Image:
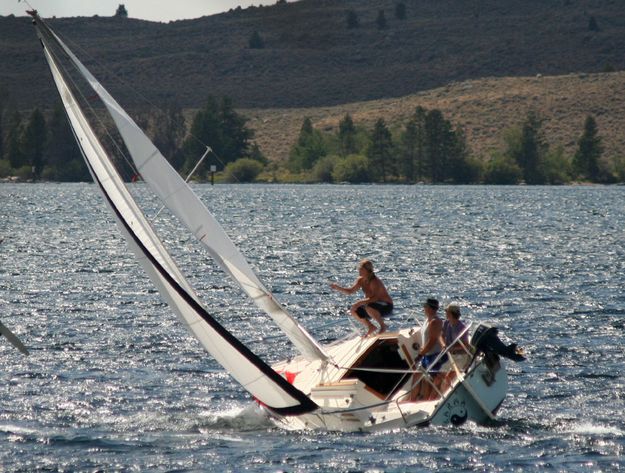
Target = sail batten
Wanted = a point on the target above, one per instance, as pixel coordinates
(250, 371)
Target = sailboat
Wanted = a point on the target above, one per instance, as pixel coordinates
(353, 384)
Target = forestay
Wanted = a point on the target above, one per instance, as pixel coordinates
(184, 203)
(250, 371)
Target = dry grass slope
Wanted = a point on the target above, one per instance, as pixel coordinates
(312, 59)
(484, 107)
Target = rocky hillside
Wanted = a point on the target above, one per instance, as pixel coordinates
(311, 58)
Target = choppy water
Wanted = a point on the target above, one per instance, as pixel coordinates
(115, 383)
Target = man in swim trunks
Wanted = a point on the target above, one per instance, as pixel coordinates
(430, 348)
(377, 302)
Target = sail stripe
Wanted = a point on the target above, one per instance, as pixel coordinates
(306, 405)
(263, 382)
(184, 203)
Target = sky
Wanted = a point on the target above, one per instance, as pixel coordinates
(153, 10)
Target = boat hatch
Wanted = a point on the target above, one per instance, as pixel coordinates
(382, 355)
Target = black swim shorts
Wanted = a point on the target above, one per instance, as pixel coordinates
(384, 308)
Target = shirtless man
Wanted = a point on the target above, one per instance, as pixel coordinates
(377, 302)
(431, 346)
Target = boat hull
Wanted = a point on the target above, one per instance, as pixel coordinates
(347, 404)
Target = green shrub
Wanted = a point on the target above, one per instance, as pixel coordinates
(502, 169)
(556, 167)
(619, 168)
(24, 173)
(323, 169)
(354, 168)
(5, 168)
(242, 170)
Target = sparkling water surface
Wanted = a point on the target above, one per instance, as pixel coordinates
(115, 383)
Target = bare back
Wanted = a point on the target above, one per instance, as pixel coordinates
(375, 290)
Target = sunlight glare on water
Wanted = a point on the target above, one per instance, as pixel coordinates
(112, 372)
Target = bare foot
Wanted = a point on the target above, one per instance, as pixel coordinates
(369, 332)
(382, 329)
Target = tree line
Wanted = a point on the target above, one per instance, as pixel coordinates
(42, 146)
(427, 147)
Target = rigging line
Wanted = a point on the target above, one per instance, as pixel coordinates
(109, 71)
(354, 409)
(208, 149)
(88, 105)
(130, 87)
(142, 97)
(221, 162)
(272, 337)
(135, 91)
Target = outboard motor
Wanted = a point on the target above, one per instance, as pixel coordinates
(485, 340)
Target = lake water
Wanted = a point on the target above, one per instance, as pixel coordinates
(115, 383)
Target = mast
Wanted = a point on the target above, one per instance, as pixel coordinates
(248, 369)
(178, 196)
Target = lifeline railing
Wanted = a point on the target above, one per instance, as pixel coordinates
(425, 375)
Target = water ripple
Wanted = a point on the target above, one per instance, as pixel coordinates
(115, 383)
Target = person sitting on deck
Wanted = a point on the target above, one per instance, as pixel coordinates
(377, 302)
(452, 328)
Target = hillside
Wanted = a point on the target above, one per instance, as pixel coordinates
(312, 59)
(484, 107)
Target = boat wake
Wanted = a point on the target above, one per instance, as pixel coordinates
(247, 418)
(596, 429)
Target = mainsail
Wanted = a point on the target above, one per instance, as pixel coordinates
(184, 203)
(251, 372)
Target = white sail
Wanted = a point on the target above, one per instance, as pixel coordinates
(184, 203)
(250, 371)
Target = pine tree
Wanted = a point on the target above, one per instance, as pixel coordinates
(205, 131)
(400, 11)
(168, 130)
(437, 144)
(4, 102)
(531, 149)
(459, 169)
(380, 151)
(589, 151)
(352, 20)
(236, 136)
(63, 159)
(309, 148)
(219, 126)
(347, 136)
(381, 20)
(121, 12)
(13, 152)
(413, 146)
(34, 141)
(256, 41)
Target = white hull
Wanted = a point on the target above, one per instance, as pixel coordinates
(385, 399)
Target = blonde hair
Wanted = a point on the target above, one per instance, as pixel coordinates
(367, 265)
(453, 309)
